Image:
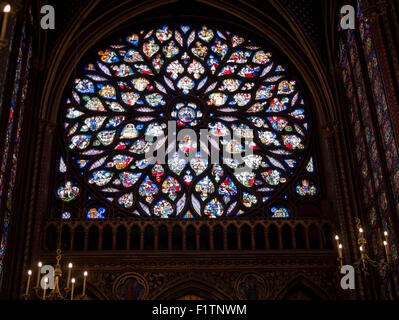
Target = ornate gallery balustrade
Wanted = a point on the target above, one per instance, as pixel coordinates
(175, 235)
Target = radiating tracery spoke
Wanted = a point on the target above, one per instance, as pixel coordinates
(200, 78)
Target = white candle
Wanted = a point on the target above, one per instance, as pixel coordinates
(339, 247)
(28, 284)
(69, 274)
(73, 286)
(39, 269)
(45, 288)
(6, 11)
(386, 250)
(386, 245)
(336, 239)
(340, 254)
(84, 282)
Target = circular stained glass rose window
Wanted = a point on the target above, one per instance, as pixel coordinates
(227, 117)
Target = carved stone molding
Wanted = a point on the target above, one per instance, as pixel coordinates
(383, 7)
(262, 284)
(330, 128)
(138, 261)
(372, 12)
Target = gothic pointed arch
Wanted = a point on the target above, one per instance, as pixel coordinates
(300, 287)
(192, 287)
(121, 72)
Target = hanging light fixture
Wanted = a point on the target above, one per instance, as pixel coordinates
(59, 290)
(365, 260)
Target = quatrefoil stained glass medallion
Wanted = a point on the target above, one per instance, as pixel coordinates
(201, 78)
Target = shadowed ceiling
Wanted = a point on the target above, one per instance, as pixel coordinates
(307, 12)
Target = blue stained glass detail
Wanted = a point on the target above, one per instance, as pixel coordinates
(196, 204)
(279, 212)
(96, 213)
(62, 167)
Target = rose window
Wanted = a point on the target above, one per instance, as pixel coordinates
(247, 124)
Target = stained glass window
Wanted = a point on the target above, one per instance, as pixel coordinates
(279, 212)
(96, 213)
(68, 191)
(306, 188)
(185, 121)
(370, 120)
(13, 130)
(62, 167)
(66, 215)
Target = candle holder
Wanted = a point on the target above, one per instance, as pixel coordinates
(68, 291)
(365, 260)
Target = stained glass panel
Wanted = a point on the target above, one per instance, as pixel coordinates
(119, 118)
(279, 212)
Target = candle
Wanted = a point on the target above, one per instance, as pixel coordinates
(73, 286)
(45, 288)
(386, 250)
(339, 247)
(69, 274)
(361, 230)
(39, 266)
(386, 245)
(28, 284)
(336, 239)
(6, 11)
(84, 282)
(340, 251)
